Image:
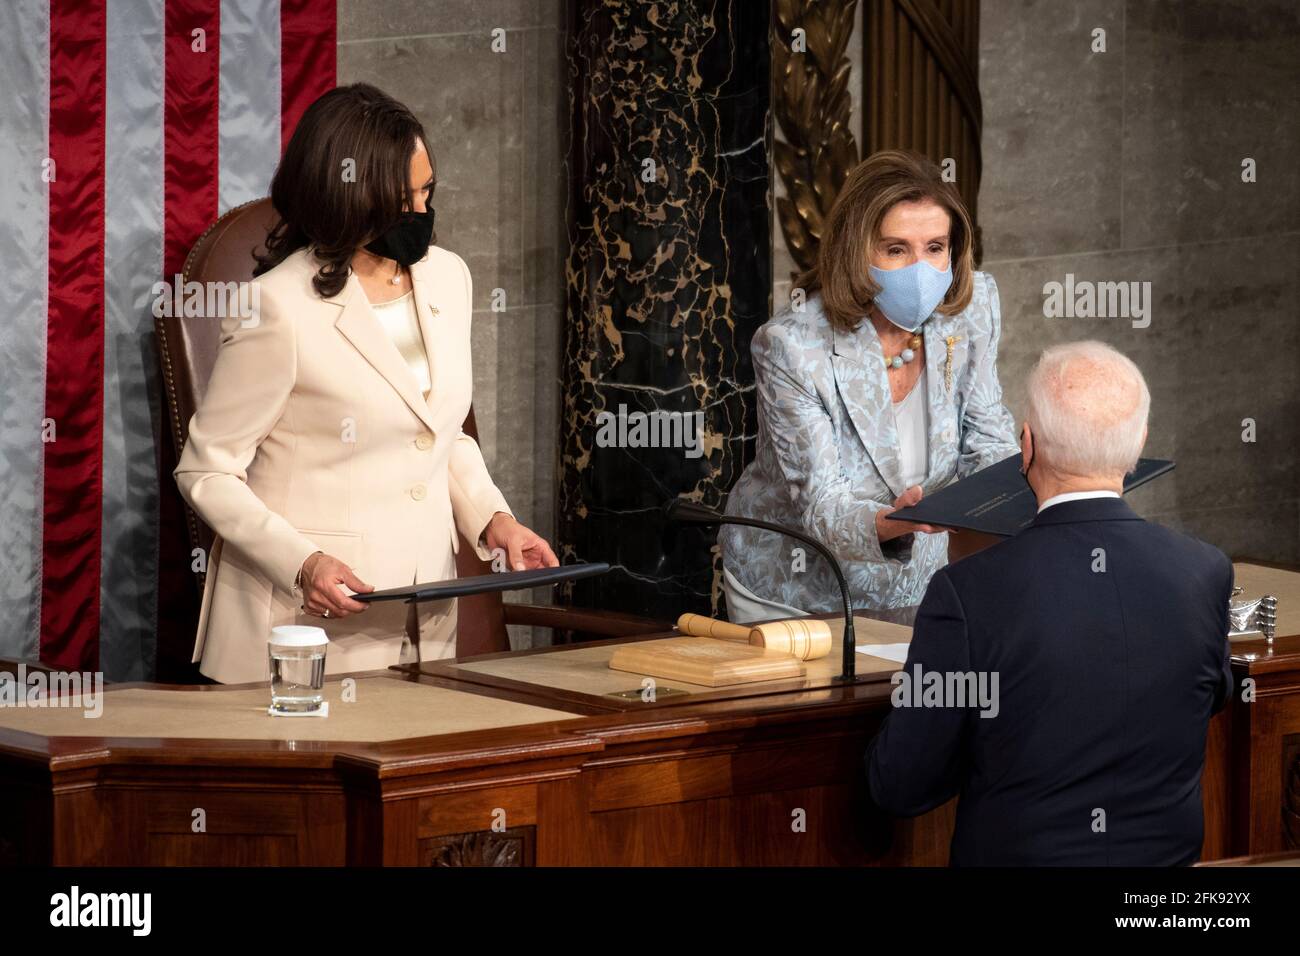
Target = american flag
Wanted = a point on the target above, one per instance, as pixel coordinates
(126, 128)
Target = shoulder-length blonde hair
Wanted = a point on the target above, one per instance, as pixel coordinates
(852, 230)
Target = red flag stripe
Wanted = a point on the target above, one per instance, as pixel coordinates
(74, 387)
(191, 112)
(75, 354)
(308, 53)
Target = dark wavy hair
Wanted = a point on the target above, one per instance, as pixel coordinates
(343, 180)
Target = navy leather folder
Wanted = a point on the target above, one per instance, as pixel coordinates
(998, 500)
(483, 583)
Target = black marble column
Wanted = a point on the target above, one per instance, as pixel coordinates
(668, 277)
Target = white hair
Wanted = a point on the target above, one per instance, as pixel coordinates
(1088, 407)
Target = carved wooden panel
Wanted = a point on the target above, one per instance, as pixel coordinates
(513, 847)
(1291, 792)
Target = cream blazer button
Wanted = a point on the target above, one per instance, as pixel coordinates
(424, 442)
(418, 492)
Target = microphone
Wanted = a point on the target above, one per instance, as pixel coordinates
(679, 509)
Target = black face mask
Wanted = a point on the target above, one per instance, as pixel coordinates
(408, 241)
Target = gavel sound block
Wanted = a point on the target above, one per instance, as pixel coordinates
(717, 653)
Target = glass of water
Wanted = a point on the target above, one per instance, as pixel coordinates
(297, 669)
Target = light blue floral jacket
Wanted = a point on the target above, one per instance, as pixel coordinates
(827, 457)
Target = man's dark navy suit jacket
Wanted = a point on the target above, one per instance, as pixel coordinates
(1109, 637)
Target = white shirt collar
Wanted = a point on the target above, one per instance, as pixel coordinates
(1076, 496)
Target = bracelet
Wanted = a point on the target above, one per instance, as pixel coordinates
(297, 581)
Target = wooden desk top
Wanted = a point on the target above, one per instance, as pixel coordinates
(580, 673)
(478, 711)
(374, 708)
(587, 682)
(503, 726)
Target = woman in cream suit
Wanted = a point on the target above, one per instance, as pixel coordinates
(327, 454)
(878, 387)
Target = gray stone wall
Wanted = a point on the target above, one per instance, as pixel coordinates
(1127, 166)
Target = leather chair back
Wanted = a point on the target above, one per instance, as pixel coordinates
(188, 350)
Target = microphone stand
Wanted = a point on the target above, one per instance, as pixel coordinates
(679, 509)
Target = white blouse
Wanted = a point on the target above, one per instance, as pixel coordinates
(912, 420)
(400, 321)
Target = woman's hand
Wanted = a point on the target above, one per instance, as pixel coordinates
(524, 548)
(321, 576)
(887, 528)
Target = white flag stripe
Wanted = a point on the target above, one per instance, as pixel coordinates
(133, 221)
(248, 143)
(24, 301)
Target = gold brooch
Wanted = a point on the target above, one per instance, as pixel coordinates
(433, 309)
(950, 341)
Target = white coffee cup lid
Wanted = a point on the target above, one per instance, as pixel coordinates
(298, 635)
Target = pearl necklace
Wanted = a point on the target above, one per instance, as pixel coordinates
(905, 356)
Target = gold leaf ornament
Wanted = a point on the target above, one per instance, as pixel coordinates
(813, 108)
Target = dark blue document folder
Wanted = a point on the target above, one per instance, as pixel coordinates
(998, 500)
(483, 583)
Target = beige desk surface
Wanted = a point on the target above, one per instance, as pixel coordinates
(1256, 581)
(393, 709)
(385, 709)
(586, 669)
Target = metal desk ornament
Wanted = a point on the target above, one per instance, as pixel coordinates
(1252, 618)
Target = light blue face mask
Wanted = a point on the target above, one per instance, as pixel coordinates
(908, 296)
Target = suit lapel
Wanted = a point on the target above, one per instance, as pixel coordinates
(427, 312)
(360, 327)
(863, 385)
